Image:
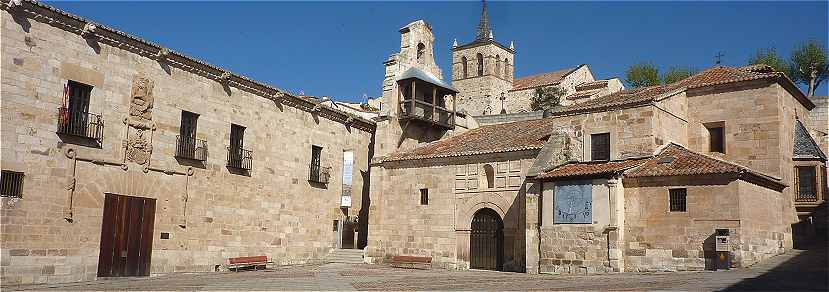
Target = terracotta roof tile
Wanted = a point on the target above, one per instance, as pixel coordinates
(675, 160)
(591, 168)
(597, 84)
(672, 160)
(542, 79)
(514, 136)
(712, 76)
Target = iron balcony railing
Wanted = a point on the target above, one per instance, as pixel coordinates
(428, 112)
(80, 124)
(191, 148)
(239, 158)
(320, 174)
(806, 197)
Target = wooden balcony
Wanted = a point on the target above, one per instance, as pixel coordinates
(427, 112)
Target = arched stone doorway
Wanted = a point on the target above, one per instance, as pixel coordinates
(486, 241)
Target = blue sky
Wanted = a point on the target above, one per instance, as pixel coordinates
(337, 48)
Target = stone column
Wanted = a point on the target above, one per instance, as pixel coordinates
(614, 238)
(532, 237)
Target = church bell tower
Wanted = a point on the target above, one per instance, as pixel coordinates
(482, 70)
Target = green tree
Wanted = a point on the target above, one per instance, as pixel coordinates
(640, 75)
(546, 98)
(809, 65)
(769, 57)
(675, 74)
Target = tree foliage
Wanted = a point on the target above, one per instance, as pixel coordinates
(809, 65)
(641, 75)
(675, 74)
(546, 98)
(769, 57)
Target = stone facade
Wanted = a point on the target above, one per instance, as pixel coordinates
(457, 188)
(205, 212)
(480, 94)
(820, 120)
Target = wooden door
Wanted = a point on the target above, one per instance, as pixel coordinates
(126, 236)
(486, 241)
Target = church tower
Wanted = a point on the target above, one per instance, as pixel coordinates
(482, 71)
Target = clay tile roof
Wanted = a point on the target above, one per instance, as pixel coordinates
(591, 168)
(582, 94)
(515, 136)
(542, 79)
(675, 160)
(712, 76)
(592, 85)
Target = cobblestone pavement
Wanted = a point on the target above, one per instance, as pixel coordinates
(797, 270)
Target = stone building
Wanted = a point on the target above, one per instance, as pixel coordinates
(122, 157)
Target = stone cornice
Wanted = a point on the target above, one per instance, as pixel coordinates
(100, 33)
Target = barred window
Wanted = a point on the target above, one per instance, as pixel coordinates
(600, 146)
(806, 183)
(424, 196)
(11, 184)
(316, 157)
(678, 199)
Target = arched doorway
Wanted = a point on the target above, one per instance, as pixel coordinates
(486, 244)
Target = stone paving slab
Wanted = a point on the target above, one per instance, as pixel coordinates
(794, 271)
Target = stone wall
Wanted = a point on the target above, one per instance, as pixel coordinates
(457, 189)
(820, 121)
(631, 130)
(659, 240)
(210, 212)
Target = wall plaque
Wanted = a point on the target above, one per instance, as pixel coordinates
(573, 202)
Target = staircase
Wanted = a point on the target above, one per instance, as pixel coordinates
(346, 256)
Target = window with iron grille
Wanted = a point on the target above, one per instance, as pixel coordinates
(316, 153)
(600, 146)
(716, 137)
(806, 183)
(678, 199)
(187, 145)
(424, 196)
(74, 117)
(11, 184)
(237, 156)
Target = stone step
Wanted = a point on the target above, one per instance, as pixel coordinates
(348, 256)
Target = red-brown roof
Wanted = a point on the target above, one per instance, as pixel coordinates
(591, 168)
(672, 160)
(515, 136)
(712, 76)
(543, 79)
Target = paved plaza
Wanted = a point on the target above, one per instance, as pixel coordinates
(794, 271)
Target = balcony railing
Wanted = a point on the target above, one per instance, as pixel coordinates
(80, 124)
(806, 198)
(320, 174)
(239, 158)
(191, 148)
(425, 111)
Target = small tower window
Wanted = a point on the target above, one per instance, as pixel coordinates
(498, 65)
(421, 50)
(506, 69)
(480, 64)
(424, 196)
(464, 61)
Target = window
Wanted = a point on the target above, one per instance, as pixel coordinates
(506, 69)
(421, 50)
(316, 153)
(238, 156)
(716, 137)
(489, 172)
(73, 115)
(480, 64)
(678, 199)
(187, 145)
(464, 62)
(11, 184)
(497, 65)
(806, 183)
(600, 146)
(424, 196)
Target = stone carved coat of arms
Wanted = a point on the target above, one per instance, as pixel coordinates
(139, 143)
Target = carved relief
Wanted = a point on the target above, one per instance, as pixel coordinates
(138, 144)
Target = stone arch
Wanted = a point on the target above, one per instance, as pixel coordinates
(490, 200)
(497, 65)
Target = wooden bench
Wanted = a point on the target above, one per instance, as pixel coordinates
(411, 261)
(254, 261)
